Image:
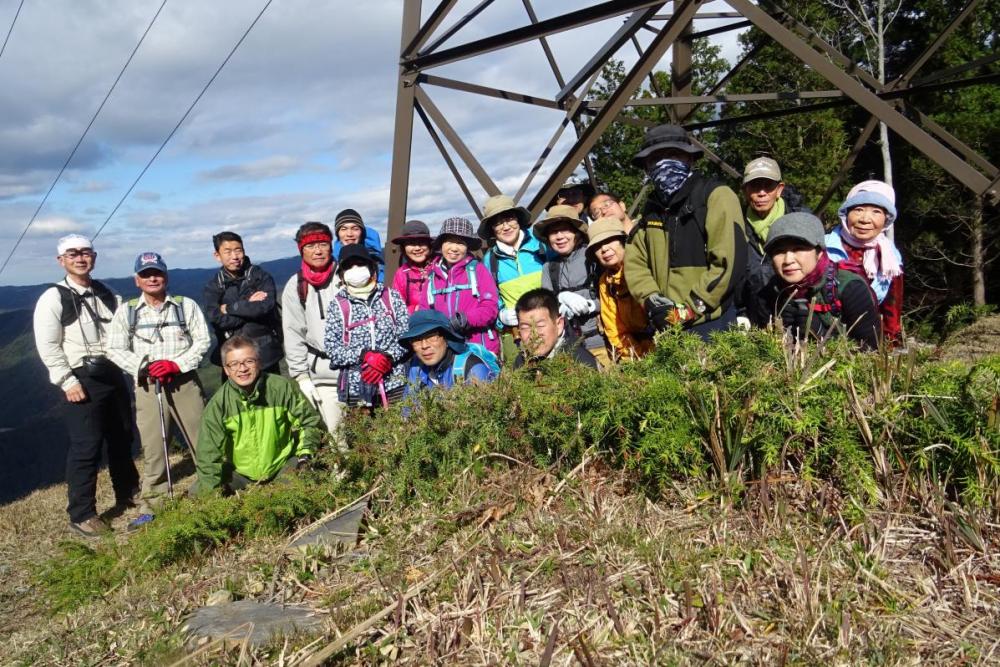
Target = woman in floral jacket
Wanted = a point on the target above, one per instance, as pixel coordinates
(363, 326)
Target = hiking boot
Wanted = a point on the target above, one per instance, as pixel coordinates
(140, 521)
(93, 527)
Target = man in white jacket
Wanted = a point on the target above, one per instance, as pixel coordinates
(160, 339)
(70, 322)
(304, 303)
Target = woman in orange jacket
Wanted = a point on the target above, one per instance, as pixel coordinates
(624, 319)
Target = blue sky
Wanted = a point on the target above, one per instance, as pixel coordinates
(297, 127)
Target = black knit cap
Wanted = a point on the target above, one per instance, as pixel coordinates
(356, 253)
(348, 217)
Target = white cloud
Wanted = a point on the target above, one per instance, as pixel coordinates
(312, 88)
(55, 226)
(256, 170)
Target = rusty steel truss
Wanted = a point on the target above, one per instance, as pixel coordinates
(422, 50)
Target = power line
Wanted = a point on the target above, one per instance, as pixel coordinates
(82, 136)
(181, 121)
(7, 38)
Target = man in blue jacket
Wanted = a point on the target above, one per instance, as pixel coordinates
(441, 357)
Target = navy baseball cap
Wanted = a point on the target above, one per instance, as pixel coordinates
(150, 260)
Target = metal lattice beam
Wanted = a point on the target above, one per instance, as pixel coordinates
(421, 49)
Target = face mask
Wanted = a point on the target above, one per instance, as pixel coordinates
(668, 176)
(357, 276)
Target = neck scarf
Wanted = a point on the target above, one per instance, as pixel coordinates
(762, 225)
(317, 279)
(880, 254)
(668, 176)
(361, 292)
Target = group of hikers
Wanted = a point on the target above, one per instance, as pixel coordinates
(587, 281)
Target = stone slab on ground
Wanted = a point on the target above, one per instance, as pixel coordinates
(261, 621)
(340, 530)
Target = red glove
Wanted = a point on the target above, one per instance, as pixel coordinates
(164, 370)
(375, 366)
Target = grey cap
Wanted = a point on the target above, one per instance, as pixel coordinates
(762, 167)
(799, 225)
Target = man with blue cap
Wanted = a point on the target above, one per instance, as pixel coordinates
(159, 339)
(441, 356)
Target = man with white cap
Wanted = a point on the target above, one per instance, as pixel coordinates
(70, 323)
(160, 339)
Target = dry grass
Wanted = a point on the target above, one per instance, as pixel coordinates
(523, 567)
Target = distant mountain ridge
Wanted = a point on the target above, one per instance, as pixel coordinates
(33, 437)
(185, 282)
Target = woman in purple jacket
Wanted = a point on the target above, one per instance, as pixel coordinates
(462, 287)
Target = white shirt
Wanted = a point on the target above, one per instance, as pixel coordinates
(63, 348)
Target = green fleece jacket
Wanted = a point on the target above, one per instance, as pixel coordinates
(670, 254)
(254, 432)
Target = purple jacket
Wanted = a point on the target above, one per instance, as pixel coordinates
(411, 282)
(451, 292)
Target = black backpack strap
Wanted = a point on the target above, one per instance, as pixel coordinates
(494, 263)
(554, 276)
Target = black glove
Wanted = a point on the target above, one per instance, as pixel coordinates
(460, 323)
(659, 309)
(304, 462)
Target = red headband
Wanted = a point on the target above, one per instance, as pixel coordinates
(314, 237)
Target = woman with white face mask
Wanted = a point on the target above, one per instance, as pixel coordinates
(363, 326)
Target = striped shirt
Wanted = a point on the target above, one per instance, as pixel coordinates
(158, 334)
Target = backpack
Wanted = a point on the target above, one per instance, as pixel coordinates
(72, 301)
(476, 351)
(473, 284)
(345, 311)
(460, 362)
(132, 318)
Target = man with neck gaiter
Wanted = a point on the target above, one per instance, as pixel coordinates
(241, 299)
(686, 260)
(304, 302)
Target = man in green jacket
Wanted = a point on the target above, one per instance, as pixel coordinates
(686, 260)
(256, 426)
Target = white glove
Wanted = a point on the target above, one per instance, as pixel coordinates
(508, 317)
(309, 390)
(743, 323)
(574, 305)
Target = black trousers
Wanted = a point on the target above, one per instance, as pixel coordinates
(104, 417)
(724, 322)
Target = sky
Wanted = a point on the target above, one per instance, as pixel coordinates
(298, 126)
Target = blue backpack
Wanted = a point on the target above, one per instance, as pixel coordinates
(478, 351)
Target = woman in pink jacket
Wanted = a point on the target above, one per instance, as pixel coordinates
(462, 287)
(416, 244)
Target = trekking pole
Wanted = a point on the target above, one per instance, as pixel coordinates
(381, 392)
(163, 436)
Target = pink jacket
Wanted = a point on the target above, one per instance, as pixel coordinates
(411, 282)
(453, 293)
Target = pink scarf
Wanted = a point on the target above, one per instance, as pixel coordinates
(316, 278)
(878, 248)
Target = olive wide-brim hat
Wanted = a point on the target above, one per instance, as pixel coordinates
(559, 213)
(664, 136)
(604, 229)
(492, 209)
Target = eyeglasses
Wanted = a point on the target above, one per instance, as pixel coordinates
(506, 223)
(246, 363)
(73, 253)
(601, 208)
